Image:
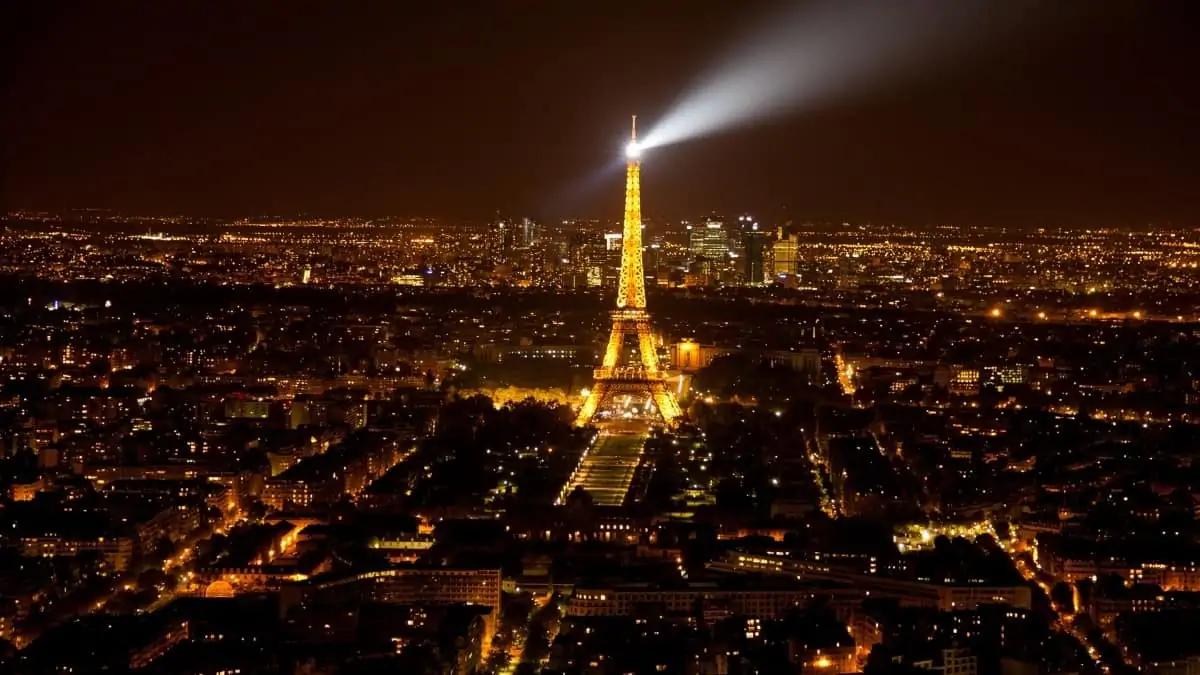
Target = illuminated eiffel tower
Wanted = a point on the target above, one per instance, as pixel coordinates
(643, 379)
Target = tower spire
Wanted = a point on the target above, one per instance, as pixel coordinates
(633, 129)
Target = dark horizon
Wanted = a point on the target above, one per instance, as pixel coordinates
(228, 109)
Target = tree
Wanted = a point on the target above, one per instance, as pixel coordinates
(163, 548)
(1063, 597)
(731, 495)
(154, 579)
(256, 510)
(212, 515)
(579, 498)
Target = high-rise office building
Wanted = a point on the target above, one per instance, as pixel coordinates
(611, 265)
(756, 245)
(528, 233)
(786, 249)
(502, 239)
(709, 242)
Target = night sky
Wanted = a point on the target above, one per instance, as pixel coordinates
(460, 108)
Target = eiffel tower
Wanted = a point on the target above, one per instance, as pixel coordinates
(643, 379)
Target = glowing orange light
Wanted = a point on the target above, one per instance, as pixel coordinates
(631, 317)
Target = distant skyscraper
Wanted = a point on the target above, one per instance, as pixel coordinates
(529, 233)
(709, 242)
(786, 248)
(585, 259)
(505, 236)
(755, 245)
(611, 262)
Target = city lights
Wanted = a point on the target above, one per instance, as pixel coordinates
(336, 343)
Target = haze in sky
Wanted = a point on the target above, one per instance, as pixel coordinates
(457, 110)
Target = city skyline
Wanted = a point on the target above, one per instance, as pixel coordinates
(906, 402)
(236, 111)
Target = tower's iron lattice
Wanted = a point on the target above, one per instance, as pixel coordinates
(644, 379)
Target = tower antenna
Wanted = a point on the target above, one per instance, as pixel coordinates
(633, 130)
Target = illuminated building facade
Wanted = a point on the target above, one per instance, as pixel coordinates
(689, 356)
(417, 586)
(765, 602)
(756, 248)
(26, 491)
(117, 551)
(785, 249)
(630, 317)
(709, 243)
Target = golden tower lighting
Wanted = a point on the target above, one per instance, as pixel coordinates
(630, 317)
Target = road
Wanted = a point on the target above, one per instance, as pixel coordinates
(828, 505)
(1064, 616)
(516, 650)
(184, 560)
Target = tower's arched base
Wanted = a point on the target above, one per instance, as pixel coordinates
(605, 390)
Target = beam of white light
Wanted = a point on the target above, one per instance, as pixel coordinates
(824, 49)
